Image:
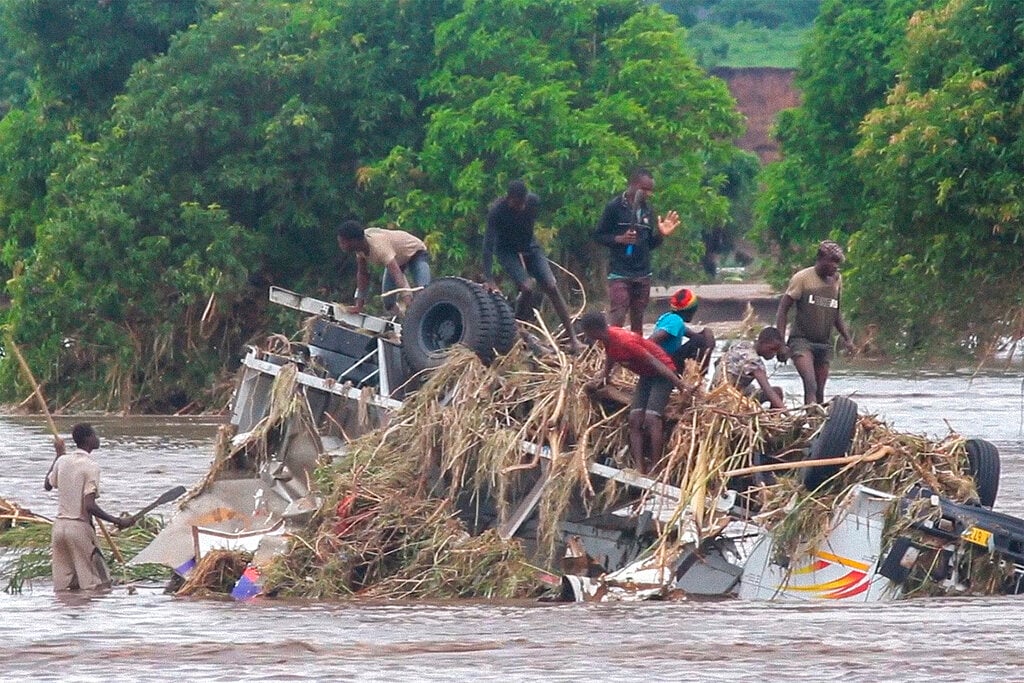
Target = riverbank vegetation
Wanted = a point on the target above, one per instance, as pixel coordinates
(908, 148)
(146, 208)
(162, 163)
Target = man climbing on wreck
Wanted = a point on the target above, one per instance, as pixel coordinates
(402, 255)
(77, 562)
(741, 365)
(509, 237)
(656, 379)
(816, 292)
(673, 327)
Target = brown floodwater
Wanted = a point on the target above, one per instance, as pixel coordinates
(153, 637)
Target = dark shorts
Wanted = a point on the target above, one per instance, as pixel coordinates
(626, 295)
(799, 346)
(697, 348)
(533, 262)
(651, 395)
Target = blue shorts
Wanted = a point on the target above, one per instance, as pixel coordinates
(417, 272)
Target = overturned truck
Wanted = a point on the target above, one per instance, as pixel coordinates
(446, 457)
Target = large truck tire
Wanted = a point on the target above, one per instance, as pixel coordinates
(983, 460)
(833, 441)
(449, 311)
(507, 330)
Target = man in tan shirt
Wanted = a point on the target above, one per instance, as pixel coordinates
(402, 255)
(816, 292)
(77, 562)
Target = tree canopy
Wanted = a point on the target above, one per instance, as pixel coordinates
(145, 209)
(568, 96)
(850, 63)
(941, 248)
(908, 147)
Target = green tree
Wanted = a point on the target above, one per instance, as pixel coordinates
(940, 255)
(229, 157)
(72, 57)
(568, 95)
(816, 190)
(15, 68)
(83, 50)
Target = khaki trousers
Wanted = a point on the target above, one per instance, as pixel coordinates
(77, 562)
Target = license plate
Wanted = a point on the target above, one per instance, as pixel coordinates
(979, 537)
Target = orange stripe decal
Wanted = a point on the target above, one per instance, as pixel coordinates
(845, 582)
(845, 561)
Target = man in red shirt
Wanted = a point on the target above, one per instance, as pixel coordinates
(653, 365)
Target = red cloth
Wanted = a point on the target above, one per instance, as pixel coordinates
(627, 349)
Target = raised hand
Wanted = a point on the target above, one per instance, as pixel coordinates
(669, 223)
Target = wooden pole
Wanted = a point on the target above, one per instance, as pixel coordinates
(27, 371)
(870, 456)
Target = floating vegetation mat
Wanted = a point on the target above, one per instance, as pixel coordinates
(25, 549)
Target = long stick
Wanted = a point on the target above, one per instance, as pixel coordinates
(879, 452)
(110, 541)
(27, 371)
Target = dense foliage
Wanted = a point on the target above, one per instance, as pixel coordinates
(598, 89)
(80, 53)
(908, 147)
(176, 157)
(815, 191)
(941, 248)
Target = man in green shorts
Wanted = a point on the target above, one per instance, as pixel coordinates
(816, 292)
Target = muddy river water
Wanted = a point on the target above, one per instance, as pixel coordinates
(152, 637)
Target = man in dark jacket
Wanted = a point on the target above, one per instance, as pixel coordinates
(629, 230)
(509, 237)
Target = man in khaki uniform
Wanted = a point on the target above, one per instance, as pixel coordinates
(77, 562)
(816, 292)
(402, 255)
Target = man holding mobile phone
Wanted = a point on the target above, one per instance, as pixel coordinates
(629, 229)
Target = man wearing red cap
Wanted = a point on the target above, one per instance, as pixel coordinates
(816, 292)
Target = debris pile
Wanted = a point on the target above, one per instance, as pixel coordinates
(404, 512)
(427, 506)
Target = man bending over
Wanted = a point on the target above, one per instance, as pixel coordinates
(653, 365)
